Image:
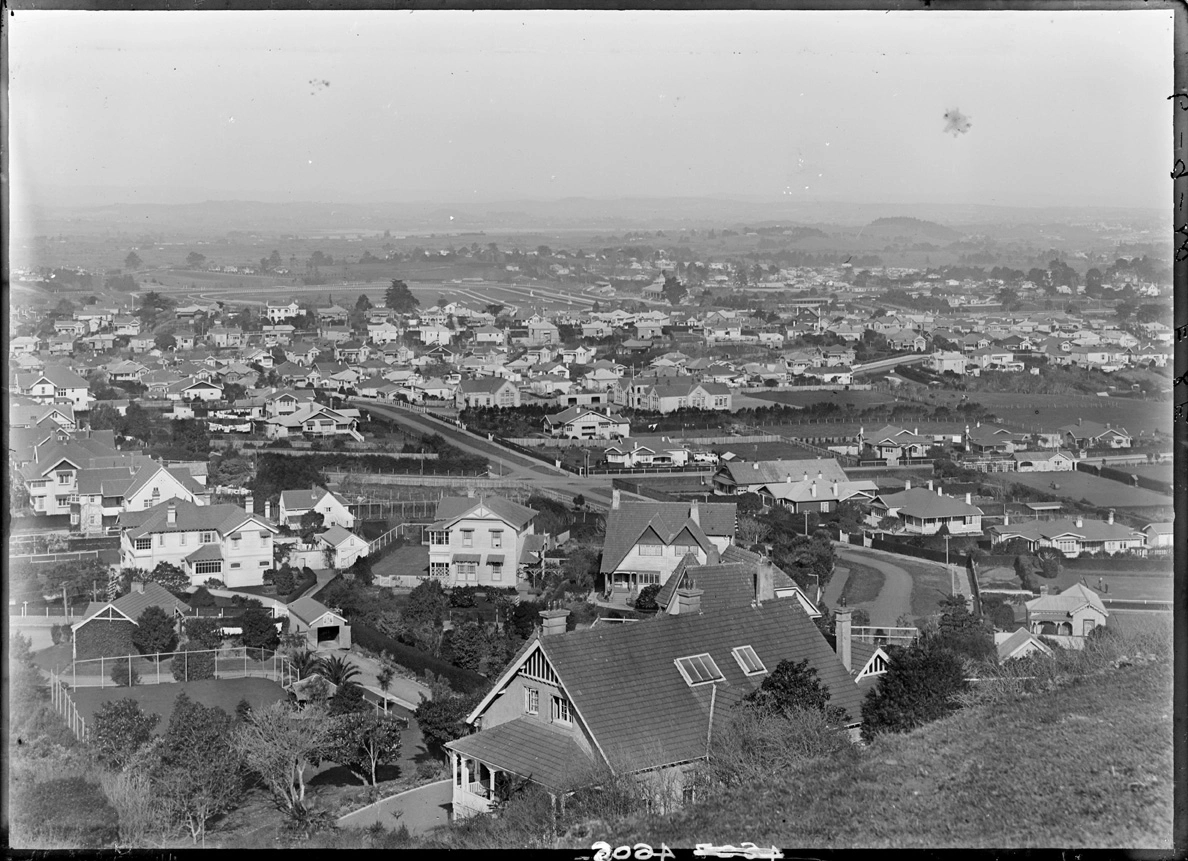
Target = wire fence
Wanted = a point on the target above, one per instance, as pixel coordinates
(64, 705)
(236, 662)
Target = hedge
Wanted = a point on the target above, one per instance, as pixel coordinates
(304, 580)
(912, 550)
(1160, 564)
(463, 681)
(193, 666)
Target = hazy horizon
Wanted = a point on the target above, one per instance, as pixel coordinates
(1026, 110)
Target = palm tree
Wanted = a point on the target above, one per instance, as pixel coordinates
(305, 663)
(384, 677)
(338, 670)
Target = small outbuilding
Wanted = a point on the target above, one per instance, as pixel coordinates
(323, 628)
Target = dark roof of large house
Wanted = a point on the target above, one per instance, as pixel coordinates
(453, 508)
(730, 583)
(626, 689)
(760, 472)
(548, 755)
(629, 522)
(221, 518)
(921, 502)
(1091, 430)
(489, 385)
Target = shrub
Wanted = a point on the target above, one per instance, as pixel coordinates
(122, 673)
(66, 812)
(119, 729)
(193, 666)
(646, 601)
(920, 685)
(284, 580)
(136, 805)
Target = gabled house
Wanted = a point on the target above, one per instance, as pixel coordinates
(223, 542)
(489, 392)
(55, 383)
(991, 439)
(1073, 536)
(106, 628)
(921, 511)
(1020, 644)
(479, 541)
(645, 540)
(322, 627)
(893, 444)
(583, 423)
(314, 421)
(801, 495)
(565, 709)
(1085, 434)
(750, 477)
(342, 546)
(334, 508)
(1043, 461)
(739, 578)
(1073, 613)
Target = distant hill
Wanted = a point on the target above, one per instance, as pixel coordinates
(912, 229)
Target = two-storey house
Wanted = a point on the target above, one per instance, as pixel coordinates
(487, 392)
(223, 542)
(334, 508)
(479, 541)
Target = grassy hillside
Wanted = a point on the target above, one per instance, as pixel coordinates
(1088, 764)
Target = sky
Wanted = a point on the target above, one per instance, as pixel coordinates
(1001, 108)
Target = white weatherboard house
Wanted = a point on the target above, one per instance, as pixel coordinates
(223, 542)
(478, 541)
(332, 506)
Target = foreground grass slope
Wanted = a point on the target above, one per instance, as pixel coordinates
(1088, 764)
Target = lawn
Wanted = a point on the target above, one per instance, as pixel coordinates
(860, 399)
(930, 583)
(863, 584)
(1001, 776)
(1048, 412)
(159, 699)
(1075, 486)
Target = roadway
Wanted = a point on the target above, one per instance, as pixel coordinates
(509, 464)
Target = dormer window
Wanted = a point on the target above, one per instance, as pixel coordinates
(699, 669)
(748, 660)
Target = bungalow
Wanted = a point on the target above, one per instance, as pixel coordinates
(1085, 434)
(489, 392)
(808, 494)
(490, 335)
(314, 421)
(582, 423)
(893, 444)
(671, 394)
(750, 477)
(991, 439)
(1073, 536)
(542, 331)
(1019, 645)
(1160, 536)
(921, 511)
(1073, 613)
(630, 454)
(564, 711)
(1043, 461)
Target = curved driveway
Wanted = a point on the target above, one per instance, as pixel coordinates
(894, 599)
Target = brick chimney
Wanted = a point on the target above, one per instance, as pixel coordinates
(688, 598)
(695, 512)
(938, 491)
(616, 497)
(764, 581)
(553, 621)
(842, 632)
(171, 514)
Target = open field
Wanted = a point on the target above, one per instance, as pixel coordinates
(1075, 486)
(159, 699)
(1033, 412)
(860, 400)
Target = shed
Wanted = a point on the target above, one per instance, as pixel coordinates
(323, 628)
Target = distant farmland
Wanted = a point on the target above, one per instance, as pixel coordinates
(1048, 412)
(1075, 486)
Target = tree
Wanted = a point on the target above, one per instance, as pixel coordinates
(193, 665)
(123, 673)
(171, 577)
(789, 687)
(305, 663)
(259, 629)
(200, 775)
(154, 632)
(119, 729)
(311, 523)
(133, 261)
(195, 259)
(400, 299)
(164, 342)
(750, 531)
(348, 699)
(962, 632)
(279, 745)
(444, 719)
(426, 603)
(673, 289)
(919, 686)
(338, 670)
(363, 742)
(384, 677)
(363, 303)
(1124, 310)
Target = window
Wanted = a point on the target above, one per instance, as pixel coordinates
(182, 539)
(206, 538)
(560, 710)
(64, 477)
(439, 539)
(824, 506)
(156, 493)
(143, 543)
(531, 701)
(683, 549)
(210, 567)
(263, 563)
(263, 539)
(161, 543)
(496, 570)
(748, 660)
(439, 569)
(496, 537)
(234, 542)
(467, 570)
(235, 564)
(467, 537)
(699, 669)
(651, 549)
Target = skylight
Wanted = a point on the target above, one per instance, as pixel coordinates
(699, 669)
(748, 660)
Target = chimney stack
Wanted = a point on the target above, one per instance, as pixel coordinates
(764, 581)
(805, 475)
(938, 491)
(688, 598)
(969, 499)
(695, 512)
(171, 514)
(553, 621)
(1006, 520)
(1110, 519)
(138, 586)
(842, 635)
(930, 484)
(1080, 521)
(267, 509)
(907, 484)
(249, 504)
(813, 488)
(616, 498)
(835, 490)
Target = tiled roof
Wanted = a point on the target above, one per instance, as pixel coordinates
(1011, 644)
(135, 603)
(626, 689)
(730, 583)
(533, 749)
(486, 385)
(761, 472)
(307, 609)
(335, 535)
(921, 502)
(1089, 530)
(626, 524)
(221, 518)
(1065, 604)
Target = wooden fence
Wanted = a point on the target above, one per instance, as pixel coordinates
(64, 705)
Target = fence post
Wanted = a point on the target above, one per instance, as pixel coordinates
(129, 670)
